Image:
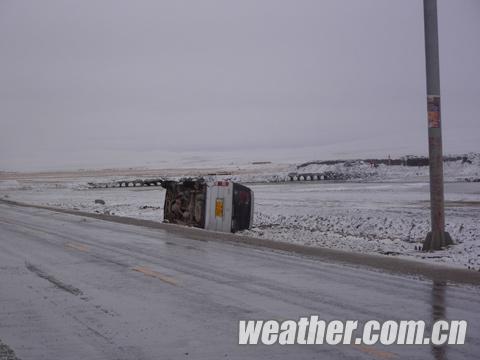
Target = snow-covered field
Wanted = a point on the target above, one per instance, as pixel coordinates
(386, 218)
(384, 210)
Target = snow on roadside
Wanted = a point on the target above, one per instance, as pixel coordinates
(145, 203)
(373, 232)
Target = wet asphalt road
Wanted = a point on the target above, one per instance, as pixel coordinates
(78, 288)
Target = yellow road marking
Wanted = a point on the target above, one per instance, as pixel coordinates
(79, 247)
(149, 272)
(375, 352)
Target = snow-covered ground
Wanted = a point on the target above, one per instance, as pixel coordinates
(382, 210)
(145, 203)
(386, 218)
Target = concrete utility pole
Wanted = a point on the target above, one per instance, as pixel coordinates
(437, 238)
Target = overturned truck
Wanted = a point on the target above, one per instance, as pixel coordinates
(219, 206)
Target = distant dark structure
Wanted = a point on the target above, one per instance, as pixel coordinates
(409, 160)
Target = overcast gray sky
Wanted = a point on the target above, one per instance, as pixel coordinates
(118, 83)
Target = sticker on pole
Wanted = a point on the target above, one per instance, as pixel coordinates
(433, 107)
(219, 208)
